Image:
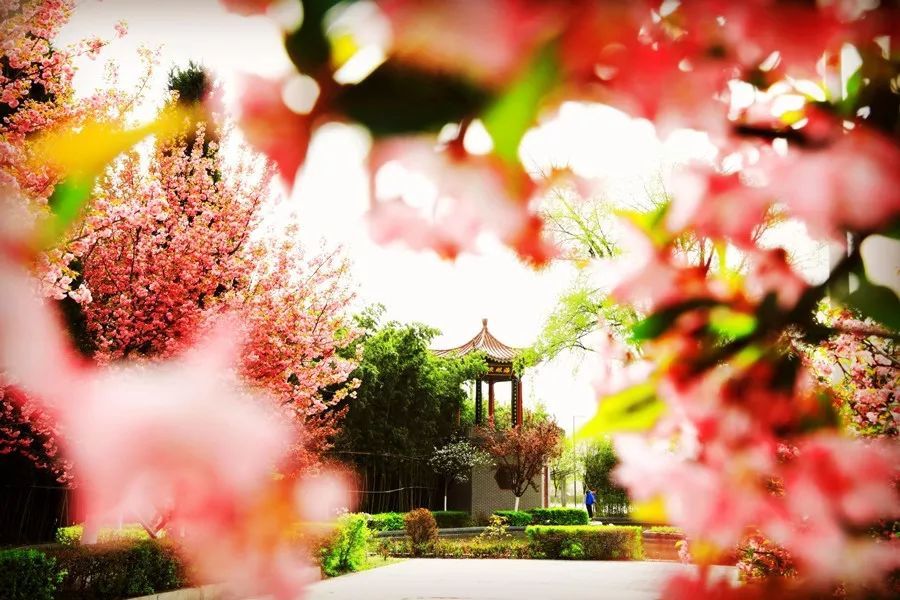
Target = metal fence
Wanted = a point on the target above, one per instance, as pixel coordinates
(30, 514)
(391, 482)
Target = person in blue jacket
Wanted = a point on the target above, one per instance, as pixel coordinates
(589, 501)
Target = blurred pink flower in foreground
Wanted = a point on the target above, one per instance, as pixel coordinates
(181, 443)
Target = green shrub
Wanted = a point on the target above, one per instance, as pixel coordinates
(345, 550)
(28, 575)
(559, 516)
(389, 521)
(71, 536)
(590, 542)
(515, 518)
(452, 518)
(118, 569)
(421, 529)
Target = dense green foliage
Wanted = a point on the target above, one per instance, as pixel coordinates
(599, 461)
(345, 549)
(452, 518)
(559, 516)
(118, 570)
(389, 521)
(422, 530)
(408, 398)
(590, 542)
(515, 518)
(28, 575)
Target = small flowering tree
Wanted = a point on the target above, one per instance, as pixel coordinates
(455, 460)
(521, 453)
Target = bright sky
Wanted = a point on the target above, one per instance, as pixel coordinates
(332, 192)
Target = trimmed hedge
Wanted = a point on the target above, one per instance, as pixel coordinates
(452, 518)
(117, 569)
(389, 521)
(28, 575)
(515, 518)
(71, 536)
(588, 542)
(345, 549)
(559, 516)
(459, 548)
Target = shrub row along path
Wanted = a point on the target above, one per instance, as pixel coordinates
(424, 578)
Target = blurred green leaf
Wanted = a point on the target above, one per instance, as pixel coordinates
(68, 198)
(634, 409)
(659, 322)
(514, 112)
(847, 105)
(398, 99)
(730, 324)
(308, 47)
(876, 302)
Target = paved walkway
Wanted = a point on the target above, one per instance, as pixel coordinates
(446, 579)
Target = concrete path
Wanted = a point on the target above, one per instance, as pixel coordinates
(447, 579)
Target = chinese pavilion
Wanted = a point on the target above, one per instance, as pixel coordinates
(499, 358)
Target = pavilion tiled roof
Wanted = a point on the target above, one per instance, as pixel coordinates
(487, 343)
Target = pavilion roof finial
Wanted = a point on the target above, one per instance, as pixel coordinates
(484, 341)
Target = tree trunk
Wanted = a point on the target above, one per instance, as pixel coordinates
(517, 503)
(446, 485)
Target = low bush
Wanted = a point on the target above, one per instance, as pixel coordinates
(559, 516)
(117, 569)
(603, 542)
(421, 529)
(453, 518)
(28, 575)
(71, 536)
(515, 518)
(345, 550)
(389, 521)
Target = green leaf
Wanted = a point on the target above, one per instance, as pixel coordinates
(634, 409)
(730, 324)
(513, 113)
(68, 198)
(876, 302)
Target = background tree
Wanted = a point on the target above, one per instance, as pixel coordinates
(599, 462)
(563, 467)
(522, 452)
(408, 398)
(406, 404)
(455, 460)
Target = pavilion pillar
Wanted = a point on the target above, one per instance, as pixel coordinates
(479, 409)
(519, 411)
(491, 402)
(514, 402)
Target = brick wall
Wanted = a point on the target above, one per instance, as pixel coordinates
(488, 497)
